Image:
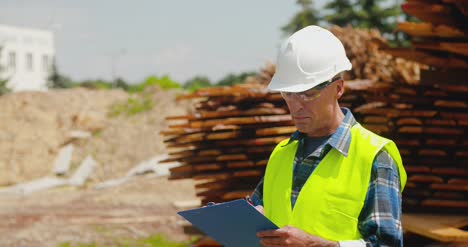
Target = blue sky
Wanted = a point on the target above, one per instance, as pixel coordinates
(153, 37)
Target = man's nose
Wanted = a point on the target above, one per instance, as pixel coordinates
(294, 105)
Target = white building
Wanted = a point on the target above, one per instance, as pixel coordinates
(26, 57)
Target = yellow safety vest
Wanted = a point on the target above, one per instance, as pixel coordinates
(332, 198)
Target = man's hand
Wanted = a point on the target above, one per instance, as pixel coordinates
(291, 236)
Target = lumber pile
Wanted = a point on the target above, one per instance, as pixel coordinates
(369, 62)
(440, 39)
(226, 142)
(431, 125)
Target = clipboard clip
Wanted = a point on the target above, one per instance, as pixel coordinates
(247, 198)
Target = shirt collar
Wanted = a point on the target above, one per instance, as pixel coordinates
(341, 139)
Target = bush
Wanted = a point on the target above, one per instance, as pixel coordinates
(162, 82)
(132, 106)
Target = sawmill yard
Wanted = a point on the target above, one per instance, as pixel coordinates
(224, 135)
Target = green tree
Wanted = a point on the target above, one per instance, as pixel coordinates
(96, 84)
(196, 83)
(121, 83)
(3, 81)
(232, 79)
(164, 82)
(308, 15)
(371, 14)
(57, 80)
(343, 13)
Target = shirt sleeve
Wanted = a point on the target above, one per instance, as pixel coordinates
(380, 218)
(257, 195)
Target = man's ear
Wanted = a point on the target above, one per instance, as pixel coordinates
(339, 88)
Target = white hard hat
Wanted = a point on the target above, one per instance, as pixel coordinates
(309, 57)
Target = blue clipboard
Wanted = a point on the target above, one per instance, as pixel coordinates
(232, 224)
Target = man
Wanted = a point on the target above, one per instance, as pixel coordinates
(333, 183)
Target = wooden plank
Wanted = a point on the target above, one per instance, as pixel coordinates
(430, 30)
(427, 58)
(441, 122)
(452, 187)
(432, 152)
(461, 154)
(445, 203)
(456, 172)
(452, 47)
(443, 131)
(417, 169)
(275, 131)
(410, 130)
(238, 194)
(454, 115)
(448, 195)
(232, 157)
(452, 76)
(457, 89)
(433, 13)
(411, 142)
(425, 179)
(377, 128)
(451, 104)
(458, 181)
(441, 142)
(240, 164)
(409, 121)
(442, 228)
(375, 120)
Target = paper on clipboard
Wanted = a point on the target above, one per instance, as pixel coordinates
(232, 224)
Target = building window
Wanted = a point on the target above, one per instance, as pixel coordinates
(12, 60)
(45, 63)
(29, 61)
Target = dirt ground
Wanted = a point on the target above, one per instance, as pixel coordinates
(34, 126)
(137, 209)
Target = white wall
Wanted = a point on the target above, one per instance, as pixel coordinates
(32, 52)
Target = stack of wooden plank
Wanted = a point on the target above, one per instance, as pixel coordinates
(429, 121)
(226, 142)
(440, 39)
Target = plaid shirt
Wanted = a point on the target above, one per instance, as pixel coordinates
(380, 218)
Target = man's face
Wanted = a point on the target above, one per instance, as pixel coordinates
(313, 110)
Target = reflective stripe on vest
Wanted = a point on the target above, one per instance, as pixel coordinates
(332, 198)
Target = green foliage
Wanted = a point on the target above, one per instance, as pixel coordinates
(96, 84)
(308, 15)
(57, 80)
(152, 241)
(232, 79)
(196, 83)
(3, 88)
(161, 241)
(163, 82)
(343, 13)
(371, 14)
(121, 83)
(357, 13)
(132, 106)
(3, 81)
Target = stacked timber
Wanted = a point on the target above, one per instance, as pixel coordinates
(225, 143)
(430, 122)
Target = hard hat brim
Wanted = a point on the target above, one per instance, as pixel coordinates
(280, 85)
